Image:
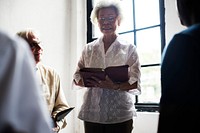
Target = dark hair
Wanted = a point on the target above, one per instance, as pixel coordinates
(189, 11)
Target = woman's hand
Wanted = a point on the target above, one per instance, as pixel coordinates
(80, 83)
(107, 83)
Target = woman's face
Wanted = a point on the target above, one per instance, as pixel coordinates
(107, 20)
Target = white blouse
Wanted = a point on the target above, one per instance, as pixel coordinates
(102, 105)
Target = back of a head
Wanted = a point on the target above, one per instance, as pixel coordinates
(189, 11)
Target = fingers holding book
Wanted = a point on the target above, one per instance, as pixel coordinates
(93, 82)
(96, 77)
(96, 82)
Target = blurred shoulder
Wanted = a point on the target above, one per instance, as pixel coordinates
(46, 69)
(193, 30)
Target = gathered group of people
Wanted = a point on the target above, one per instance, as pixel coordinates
(31, 93)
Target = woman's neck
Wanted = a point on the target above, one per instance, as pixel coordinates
(108, 40)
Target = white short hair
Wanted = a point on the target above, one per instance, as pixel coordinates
(115, 4)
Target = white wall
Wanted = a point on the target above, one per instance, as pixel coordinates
(172, 21)
(62, 26)
(146, 122)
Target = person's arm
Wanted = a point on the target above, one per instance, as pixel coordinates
(60, 104)
(77, 79)
(179, 61)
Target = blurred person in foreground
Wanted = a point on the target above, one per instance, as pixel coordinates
(22, 109)
(49, 79)
(109, 107)
(180, 74)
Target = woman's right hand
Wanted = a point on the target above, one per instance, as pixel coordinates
(80, 83)
(107, 83)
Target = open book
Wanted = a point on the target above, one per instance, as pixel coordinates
(63, 113)
(117, 74)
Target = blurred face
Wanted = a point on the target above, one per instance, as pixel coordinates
(36, 48)
(107, 20)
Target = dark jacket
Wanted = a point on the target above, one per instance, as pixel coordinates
(180, 81)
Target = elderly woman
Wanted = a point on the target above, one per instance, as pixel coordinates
(109, 106)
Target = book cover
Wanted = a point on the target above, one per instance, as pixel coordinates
(117, 74)
(63, 113)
